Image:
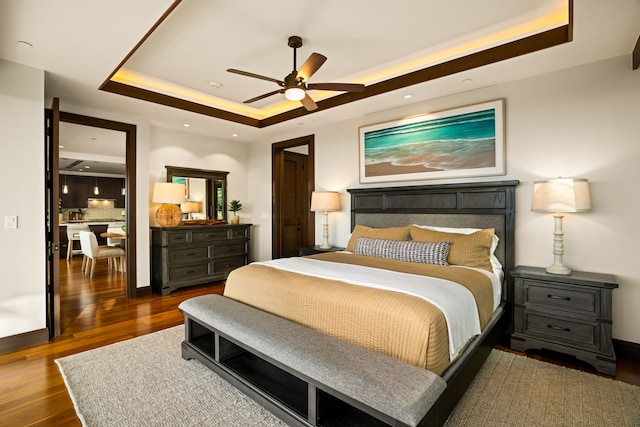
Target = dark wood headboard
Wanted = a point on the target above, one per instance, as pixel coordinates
(477, 205)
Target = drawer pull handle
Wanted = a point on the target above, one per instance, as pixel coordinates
(558, 328)
(190, 253)
(559, 297)
(191, 271)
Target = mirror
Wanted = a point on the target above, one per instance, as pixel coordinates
(208, 188)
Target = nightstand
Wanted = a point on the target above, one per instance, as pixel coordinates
(312, 250)
(565, 313)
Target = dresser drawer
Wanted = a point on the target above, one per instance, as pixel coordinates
(190, 272)
(239, 233)
(176, 237)
(225, 266)
(188, 254)
(205, 236)
(558, 297)
(228, 250)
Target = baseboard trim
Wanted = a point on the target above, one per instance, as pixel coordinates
(629, 350)
(144, 291)
(24, 340)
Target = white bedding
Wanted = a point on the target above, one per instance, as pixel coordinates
(455, 301)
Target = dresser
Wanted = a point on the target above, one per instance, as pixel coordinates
(191, 255)
(569, 314)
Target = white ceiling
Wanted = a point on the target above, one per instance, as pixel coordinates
(88, 150)
(80, 43)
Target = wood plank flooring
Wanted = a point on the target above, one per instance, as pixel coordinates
(96, 313)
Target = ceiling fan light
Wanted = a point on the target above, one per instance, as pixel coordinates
(294, 94)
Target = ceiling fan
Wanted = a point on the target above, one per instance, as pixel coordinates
(294, 86)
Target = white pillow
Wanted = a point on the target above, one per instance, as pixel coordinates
(495, 263)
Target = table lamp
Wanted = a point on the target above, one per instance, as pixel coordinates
(325, 202)
(190, 208)
(170, 195)
(559, 196)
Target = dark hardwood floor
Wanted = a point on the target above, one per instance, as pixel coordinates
(96, 313)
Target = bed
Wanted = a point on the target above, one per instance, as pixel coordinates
(324, 291)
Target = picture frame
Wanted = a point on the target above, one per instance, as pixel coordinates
(457, 143)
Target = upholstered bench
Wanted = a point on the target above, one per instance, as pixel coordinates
(304, 377)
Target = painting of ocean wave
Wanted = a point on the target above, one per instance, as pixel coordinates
(458, 142)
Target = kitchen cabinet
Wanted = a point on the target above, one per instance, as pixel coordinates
(81, 189)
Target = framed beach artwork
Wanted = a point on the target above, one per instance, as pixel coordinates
(462, 142)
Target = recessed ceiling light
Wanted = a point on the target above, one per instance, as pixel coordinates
(215, 85)
(60, 146)
(234, 135)
(408, 96)
(87, 167)
(186, 125)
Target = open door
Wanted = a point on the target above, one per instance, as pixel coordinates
(293, 182)
(52, 196)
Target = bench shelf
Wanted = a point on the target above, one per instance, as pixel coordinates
(300, 395)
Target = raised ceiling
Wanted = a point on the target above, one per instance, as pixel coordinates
(81, 44)
(177, 62)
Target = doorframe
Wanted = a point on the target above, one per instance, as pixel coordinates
(130, 187)
(277, 182)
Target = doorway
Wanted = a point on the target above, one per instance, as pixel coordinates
(293, 183)
(54, 290)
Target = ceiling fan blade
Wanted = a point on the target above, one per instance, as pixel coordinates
(308, 103)
(266, 95)
(256, 76)
(341, 87)
(311, 65)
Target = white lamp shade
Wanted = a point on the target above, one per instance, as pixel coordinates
(561, 195)
(325, 201)
(168, 192)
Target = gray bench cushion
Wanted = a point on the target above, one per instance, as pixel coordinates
(393, 387)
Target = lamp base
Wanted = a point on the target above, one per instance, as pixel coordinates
(169, 215)
(558, 269)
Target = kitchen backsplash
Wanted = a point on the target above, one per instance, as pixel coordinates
(99, 209)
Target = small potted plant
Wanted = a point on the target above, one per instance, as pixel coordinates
(235, 206)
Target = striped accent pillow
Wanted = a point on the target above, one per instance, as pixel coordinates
(407, 250)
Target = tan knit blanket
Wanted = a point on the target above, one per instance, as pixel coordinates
(399, 325)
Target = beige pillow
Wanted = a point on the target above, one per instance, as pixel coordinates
(390, 233)
(472, 250)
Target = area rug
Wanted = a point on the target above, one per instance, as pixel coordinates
(145, 382)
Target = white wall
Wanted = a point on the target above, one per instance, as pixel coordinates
(22, 252)
(173, 148)
(580, 123)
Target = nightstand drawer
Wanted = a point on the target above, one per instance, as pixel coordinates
(561, 297)
(584, 335)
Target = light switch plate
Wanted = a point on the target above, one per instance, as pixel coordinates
(11, 221)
